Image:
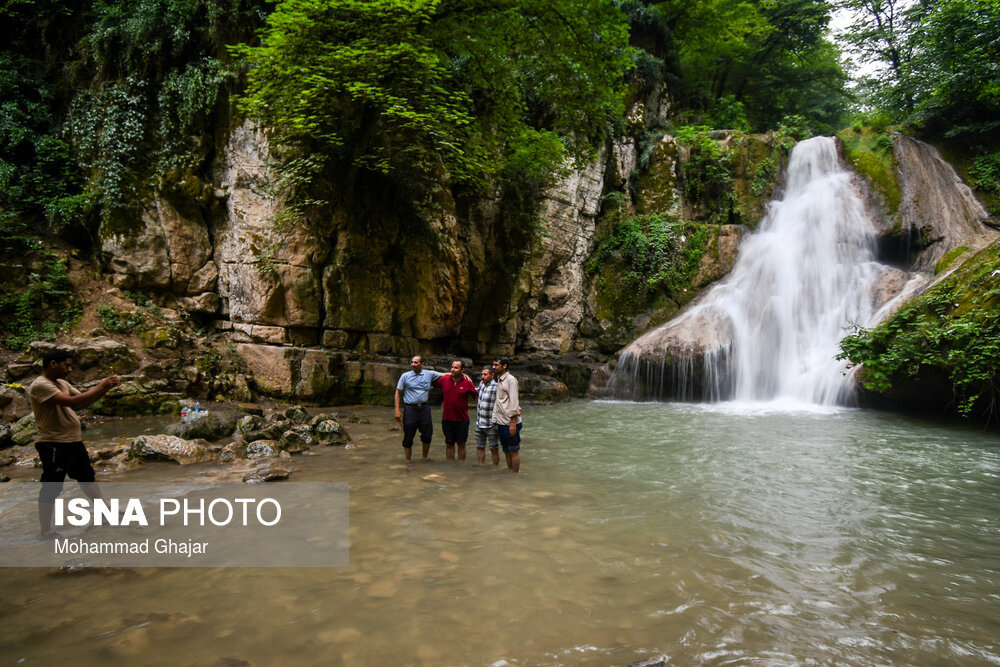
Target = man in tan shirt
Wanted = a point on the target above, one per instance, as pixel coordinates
(507, 413)
(60, 438)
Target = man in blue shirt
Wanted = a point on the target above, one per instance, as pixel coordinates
(415, 413)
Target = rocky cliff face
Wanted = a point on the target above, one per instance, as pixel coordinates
(382, 279)
(938, 205)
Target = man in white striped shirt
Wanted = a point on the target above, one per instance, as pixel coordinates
(486, 430)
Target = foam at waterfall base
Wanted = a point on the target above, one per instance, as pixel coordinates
(778, 406)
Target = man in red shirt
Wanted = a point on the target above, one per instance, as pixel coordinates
(457, 387)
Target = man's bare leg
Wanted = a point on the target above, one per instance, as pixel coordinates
(510, 463)
(496, 456)
(45, 512)
(481, 455)
(461, 451)
(449, 452)
(515, 462)
(408, 453)
(427, 449)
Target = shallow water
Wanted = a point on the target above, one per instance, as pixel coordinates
(718, 534)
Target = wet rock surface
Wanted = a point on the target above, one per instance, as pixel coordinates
(215, 425)
(169, 448)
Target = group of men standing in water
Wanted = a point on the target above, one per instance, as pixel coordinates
(498, 410)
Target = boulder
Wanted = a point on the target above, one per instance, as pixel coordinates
(262, 449)
(296, 414)
(24, 431)
(935, 201)
(168, 448)
(232, 452)
(297, 439)
(14, 403)
(255, 427)
(541, 389)
(329, 432)
(135, 397)
(215, 425)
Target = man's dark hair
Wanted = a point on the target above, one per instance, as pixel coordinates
(57, 355)
(460, 363)
(504, 361)
(418, 356)
(488, 368)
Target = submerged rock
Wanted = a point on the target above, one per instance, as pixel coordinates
(269, 474)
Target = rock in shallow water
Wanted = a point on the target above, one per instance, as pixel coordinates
(168, 448)
(269, 474)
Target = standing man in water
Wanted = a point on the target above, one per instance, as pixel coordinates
(412, 389)
(507, 413)
(457, 387)
(60, 437)
(486, 430)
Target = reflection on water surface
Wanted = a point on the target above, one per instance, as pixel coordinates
(712, 535)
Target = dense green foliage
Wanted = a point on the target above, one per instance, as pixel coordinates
(747, 65)
(475, 88)
(654, 252)
(36, 295)
(939, 59)
(103, 100)
(950, 331)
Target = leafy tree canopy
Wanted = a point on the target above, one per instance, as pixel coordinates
(939, 61)
(470, 86)
(748, 64)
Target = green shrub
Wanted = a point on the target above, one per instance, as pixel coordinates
(984, 173)
(952, 329)
(41, 303)
(118, 322)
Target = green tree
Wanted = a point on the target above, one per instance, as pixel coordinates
(760, 59)
(419, 88)
(955, 76)
(939, 61)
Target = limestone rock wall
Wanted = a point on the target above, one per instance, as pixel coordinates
(936, 202)
(370, 279)
(554, 282)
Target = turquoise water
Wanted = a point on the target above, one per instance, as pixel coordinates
(713, 535)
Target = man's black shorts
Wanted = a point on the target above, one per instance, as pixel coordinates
(60, 459)
(455, 432)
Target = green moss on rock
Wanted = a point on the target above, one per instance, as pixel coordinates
(870, 154)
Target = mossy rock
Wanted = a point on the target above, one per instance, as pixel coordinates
(870, 155)
(135, 397)
(161, 337)
(656, 186)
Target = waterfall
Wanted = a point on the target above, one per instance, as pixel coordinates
(770, 330)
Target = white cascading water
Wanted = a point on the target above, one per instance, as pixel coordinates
(798, 285)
